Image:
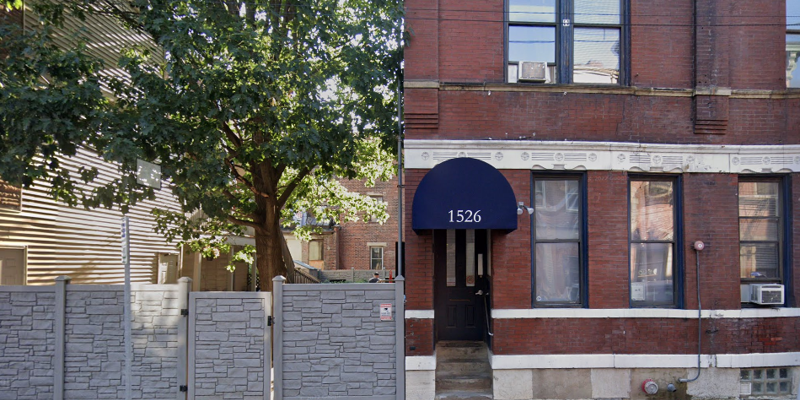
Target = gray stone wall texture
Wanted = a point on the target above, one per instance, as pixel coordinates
(229, 339)
(335, 344)
(94, 359)
(27, 344)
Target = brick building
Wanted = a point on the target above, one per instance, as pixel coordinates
(563, 158)
(355, 245)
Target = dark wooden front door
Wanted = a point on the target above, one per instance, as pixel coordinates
(459, 311)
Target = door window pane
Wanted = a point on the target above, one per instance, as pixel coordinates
(652, 210)
(531, 43)
(751, 229)
(597, 12)
(758, 199)
(793, 15)
(557, 272)
(557, 215)
(652, 280)
(759, 260)
(532, 10)
(596, 55)
(557, 237)
(652, 247)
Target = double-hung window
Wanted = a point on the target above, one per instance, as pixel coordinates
(558, 241)
(654, 235)
(761, 230)
(792, 43)
(581, 41)
(376, 257)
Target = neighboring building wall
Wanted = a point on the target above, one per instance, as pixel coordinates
(356, 237)
(85, 244)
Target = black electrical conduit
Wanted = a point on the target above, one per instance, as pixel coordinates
(699, 315)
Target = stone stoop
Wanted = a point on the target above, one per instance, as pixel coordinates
(463, 371)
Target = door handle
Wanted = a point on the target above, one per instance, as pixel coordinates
(479, 292)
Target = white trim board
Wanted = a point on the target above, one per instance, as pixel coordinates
(570, 361)
(419, 314)
(570, 313)
(607, 156)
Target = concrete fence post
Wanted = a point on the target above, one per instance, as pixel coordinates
(60, 321)
(184, 287)
(277, 336)
(400, 335)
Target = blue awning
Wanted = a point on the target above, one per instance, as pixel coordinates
(464, 193)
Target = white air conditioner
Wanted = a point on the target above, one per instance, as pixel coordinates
(532, 71)
(766, 294)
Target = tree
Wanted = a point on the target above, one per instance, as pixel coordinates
(252, 108)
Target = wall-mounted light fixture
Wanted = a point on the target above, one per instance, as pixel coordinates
(521, 209)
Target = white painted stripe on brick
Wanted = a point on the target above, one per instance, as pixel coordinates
(420, 363)
(756, 360)
(643, 313)
(569, 361)
(419, 314)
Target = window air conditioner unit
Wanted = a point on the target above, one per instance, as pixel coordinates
(532, 71)
(766, 294)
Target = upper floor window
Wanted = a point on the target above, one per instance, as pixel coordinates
(558, 241)
(761, 227)
(581, 41)
(653, 241)
(792, 43)
(376, 257)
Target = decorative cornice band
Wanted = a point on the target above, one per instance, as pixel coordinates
(600, 89)
(605, 156)
(570, 313)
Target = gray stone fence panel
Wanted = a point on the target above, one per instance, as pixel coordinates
(94, 347)
(331, 342)
(27, 342)
(229, 342)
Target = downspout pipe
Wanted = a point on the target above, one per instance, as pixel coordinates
(698, 246)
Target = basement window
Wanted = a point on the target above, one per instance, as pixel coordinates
(766, 381)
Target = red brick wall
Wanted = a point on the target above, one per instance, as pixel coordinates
(419, 252)
(599, 117)
(711, 214)
(471, 41)
(661, 43)
(511, 253)
(644, 336)
(607, 194)
(419, 335)
(354, 236)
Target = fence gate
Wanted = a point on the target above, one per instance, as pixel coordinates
(229, 345)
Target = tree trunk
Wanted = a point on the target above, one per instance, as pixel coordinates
(269, 251)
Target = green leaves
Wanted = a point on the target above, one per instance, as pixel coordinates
(249, 107)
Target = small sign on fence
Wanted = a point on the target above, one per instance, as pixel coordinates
(386, 312)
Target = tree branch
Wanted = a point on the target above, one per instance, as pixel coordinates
(238, 221)
(291, 186)
(231, 135)
(244, 180)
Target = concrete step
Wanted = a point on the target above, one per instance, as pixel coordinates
(464, 382)
(465, 395)
(447, 350)
(463, 367)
